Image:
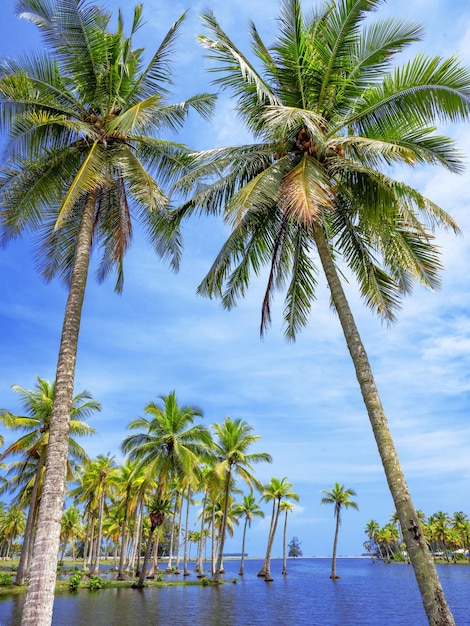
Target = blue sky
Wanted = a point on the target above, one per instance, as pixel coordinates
(303, 398)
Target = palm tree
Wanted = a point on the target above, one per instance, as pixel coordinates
(12, 526)
(277, 490)
(96, 479)
(231, 445)
(287, 507)
(247, 509)
(371, 529)
(340, 498)
(171, 446)
(158, 509)
(82, 119)
(28, 474)
(71, 527)
(330, 116)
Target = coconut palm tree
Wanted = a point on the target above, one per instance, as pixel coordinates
(171, 446)
(276, 491)
(340, 498)
(12, 526)
(158, 508)
(233, 439)
(286, 507)
(330, 116)
(96, 479)
(247, 509)
(83, 120)
(28, 474)
(71, 528)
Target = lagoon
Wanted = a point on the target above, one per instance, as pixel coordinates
(367, 594)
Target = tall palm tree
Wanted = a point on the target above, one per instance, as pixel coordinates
(276, 491)
(83, 119)
(96, 479)
(32, 447)
(340, 498)
(171, 445)
(286, 507)
(330, 116)
(233, 439)
(247, 509)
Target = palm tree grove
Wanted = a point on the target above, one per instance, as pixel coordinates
(322, 119)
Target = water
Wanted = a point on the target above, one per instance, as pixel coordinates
(367, 594)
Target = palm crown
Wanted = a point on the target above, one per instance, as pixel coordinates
(330, 117)
(86, 118)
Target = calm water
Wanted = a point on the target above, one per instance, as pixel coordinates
(367, 594)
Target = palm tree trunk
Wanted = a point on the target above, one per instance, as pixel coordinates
(122, 557)
(96, 561)
(140, 583)
(28, 536)
(262, 571)
(242, 563)
(335, 545)
(199, 566)
(432, 595)
(267, 574)
(218, 567)
(284, 548)
(40, 595)
(186, 536)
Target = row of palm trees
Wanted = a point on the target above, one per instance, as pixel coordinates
(448, 537)
(85, 127)
(169, 459)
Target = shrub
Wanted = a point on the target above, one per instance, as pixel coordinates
(5, 579)
(96, 583)
(74, 581)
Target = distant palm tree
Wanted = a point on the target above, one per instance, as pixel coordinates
(83, 119)
(171, 446)
(232, 441)
(287, 507)
(247, 509)
(340, 498)
(277, 490)
(32, 447)
(71, 528)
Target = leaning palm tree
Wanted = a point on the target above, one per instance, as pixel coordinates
(330, 117)
(82, 122)
(233, 439)
(276, 491)
(340, 498)
(27, 475)
(247, 509)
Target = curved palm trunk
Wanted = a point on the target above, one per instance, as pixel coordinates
(267, 572)
(242, 563)
(96, 561)
(432, 595)
(218, 567)
(169, 568)
(28, 536)
(335, 545)
(155, 522)
(40, 595)
(284, 548)
(124, 539)
(186, 536)
(262, 571)
(199, 566)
